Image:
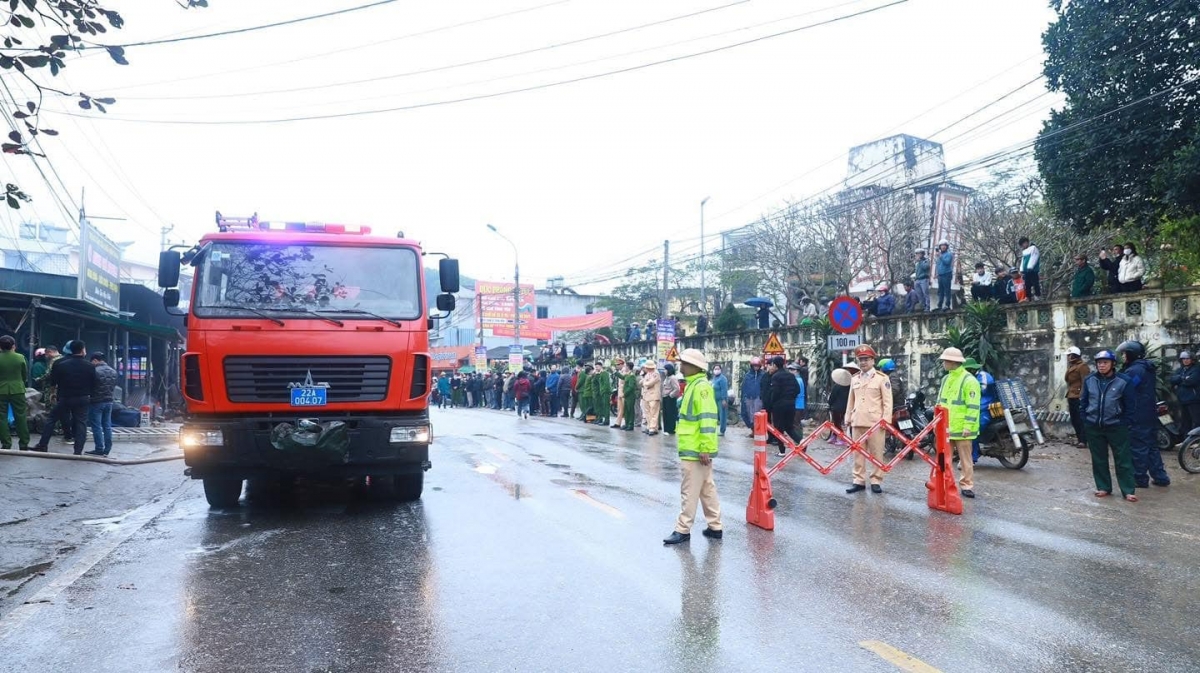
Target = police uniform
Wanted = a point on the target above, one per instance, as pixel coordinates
(870, 400)
(697, 439)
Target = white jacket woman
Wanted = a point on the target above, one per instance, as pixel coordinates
(1131, 270)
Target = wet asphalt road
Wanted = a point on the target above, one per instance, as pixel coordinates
(537, 548)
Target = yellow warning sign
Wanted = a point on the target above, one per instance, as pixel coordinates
(673, 354)
(773, 346)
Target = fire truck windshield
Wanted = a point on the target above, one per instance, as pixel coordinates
(306, 277)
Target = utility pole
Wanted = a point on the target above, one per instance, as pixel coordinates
(164, 243)
(666, 297)
(703, 306)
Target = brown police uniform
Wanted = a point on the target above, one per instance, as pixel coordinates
(870, 400)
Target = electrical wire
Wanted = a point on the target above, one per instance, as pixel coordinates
(239, 31)
(498, 94)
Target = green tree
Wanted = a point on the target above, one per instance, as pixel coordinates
(730, 320)
(1122, 149)
(40, 36)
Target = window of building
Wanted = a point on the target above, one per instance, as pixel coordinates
(543, 312)
(16, 260)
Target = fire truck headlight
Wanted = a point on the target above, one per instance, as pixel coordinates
(192, 438)
(406, 434)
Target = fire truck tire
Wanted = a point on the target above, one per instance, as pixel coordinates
(408, 487)
(222, 492)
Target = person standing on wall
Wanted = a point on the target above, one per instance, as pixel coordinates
(945, 276)
(959, 395)
(1084, 278)
(1111, 263)
(1131, 270)
(870, 401)
(14, 371)
(1031, 262)
(1077, 371)
(697, 449)
(921, 281)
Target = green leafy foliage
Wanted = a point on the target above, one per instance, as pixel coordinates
(730, 320)
(26, 49)
(821, 361)
(978, 337)
(1123, 148)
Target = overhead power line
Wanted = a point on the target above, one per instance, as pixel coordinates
(498, 94)
(239, 31)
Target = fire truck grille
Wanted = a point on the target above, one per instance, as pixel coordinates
(269, 379)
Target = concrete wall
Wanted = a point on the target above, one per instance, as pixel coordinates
(1037, 336)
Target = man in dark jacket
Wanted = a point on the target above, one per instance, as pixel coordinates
(1107, 402)
(75, 378)
(1111, 263)
(751, 393)
(100, 408)
(1147, 461)
(780, 399)
(1084, 279)
(1187, 390)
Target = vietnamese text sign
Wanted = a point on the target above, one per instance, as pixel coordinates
(99, 269)
(516, 358)
(496, 302)
(480, 358)
(665, 330)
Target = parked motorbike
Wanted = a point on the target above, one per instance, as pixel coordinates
(1189, 452)
(1169, 433)
(995, 440)
(902, 421)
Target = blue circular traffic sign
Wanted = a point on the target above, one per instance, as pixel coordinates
(845, 315)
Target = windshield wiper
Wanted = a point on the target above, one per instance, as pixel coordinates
(255, 311)
(335, 321)
(359, 311)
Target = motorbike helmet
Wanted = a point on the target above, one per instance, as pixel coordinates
(887, 365)
(1185, 355)
(1105, 355)
(755, 361)
(1134, 349)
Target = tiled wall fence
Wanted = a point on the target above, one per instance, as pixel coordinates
(1037, 336)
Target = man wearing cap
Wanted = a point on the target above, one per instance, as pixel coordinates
(583, 391)
(652, 393)
(619, 369)
(75, 378)
(13, 370)
(959, 395)
(100, 409)
(1108, 401)
(697, 442)
(869, 402)
(629, 392)
(602, 388)
(1077, 371)
(921, 281)
(1186, 380)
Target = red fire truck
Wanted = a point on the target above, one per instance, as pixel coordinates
(308, 354)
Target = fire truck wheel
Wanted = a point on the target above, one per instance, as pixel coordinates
(408, 487)
(222, 492)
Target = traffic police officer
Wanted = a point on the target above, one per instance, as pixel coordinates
(960, 397)
(697, 432)
(870, 401)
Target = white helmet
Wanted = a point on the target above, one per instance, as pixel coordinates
(943, 242)
(1073, 351)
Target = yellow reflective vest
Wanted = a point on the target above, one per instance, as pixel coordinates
(960, 394)
(697, 427)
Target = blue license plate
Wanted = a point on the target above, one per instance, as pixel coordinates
(308, 397)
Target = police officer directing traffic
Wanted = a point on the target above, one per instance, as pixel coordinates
(959, 395)
(870, 401)
(697, 441)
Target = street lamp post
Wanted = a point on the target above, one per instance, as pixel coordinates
(702, 292)
(516, 285)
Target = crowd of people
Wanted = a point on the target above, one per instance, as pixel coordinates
(79, 393)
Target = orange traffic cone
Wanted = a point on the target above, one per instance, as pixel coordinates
(760, 511)
(943, 487)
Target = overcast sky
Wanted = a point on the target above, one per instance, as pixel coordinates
(580, 175)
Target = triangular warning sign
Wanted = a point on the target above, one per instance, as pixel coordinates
(773, 346)
(673, 354)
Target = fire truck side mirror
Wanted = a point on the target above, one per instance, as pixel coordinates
(171, 298)
(445, 302)
(448, 275)
(168, 269)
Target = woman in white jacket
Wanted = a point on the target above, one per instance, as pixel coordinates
(1131, 270)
